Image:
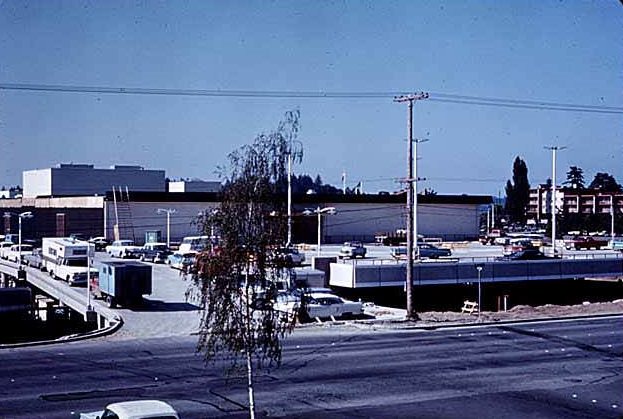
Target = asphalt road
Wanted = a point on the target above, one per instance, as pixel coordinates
(569, 369)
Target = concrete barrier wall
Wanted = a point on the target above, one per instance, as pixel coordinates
(369, 275)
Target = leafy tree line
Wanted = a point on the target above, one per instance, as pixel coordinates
(604, 182)
(302, 184)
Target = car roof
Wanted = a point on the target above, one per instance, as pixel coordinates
(142, 409)
(322, 295)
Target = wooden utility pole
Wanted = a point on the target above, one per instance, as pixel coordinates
(411, 208)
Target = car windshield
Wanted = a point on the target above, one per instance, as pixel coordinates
(327, 301)
(287, 298)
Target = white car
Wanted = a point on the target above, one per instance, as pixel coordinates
(352, 250)
(322, 305)
(4, 247)
(13, 253)
(139, 409)
(124, 249)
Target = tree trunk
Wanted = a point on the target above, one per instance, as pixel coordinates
(248, 344)
(250, 385)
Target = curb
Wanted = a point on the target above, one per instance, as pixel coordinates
(408, 325)
(118, 323)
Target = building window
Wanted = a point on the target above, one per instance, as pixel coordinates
(60, 225)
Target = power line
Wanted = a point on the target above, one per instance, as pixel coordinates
(437, 97)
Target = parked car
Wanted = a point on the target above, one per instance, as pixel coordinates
(123, 249)
(617, 244)
(426, 251)
(4, 247)
(517, 245)
(181, 261)
(290, 255)
(139, 409)
(13, 254)
(34, 260)
(78, 236)
(586, 242)
(155, 252)
(322, 305)
(429, 251)
(352, 250)
(527, 254)
(100, 243)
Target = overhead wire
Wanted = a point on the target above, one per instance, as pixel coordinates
(300, 94)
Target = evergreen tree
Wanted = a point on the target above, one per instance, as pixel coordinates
(575, 178)
(518, 192)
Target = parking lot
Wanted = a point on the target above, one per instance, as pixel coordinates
(171, 311)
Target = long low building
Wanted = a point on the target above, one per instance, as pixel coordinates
(356, 217)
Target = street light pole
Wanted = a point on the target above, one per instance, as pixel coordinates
(612, 218)
(479, 269)
(26, 214)
(415, 180)
(89, 308)
(296, 148)
(289, 238)
(319, 230)
(319, 212)
(168, 211)
(554, 149)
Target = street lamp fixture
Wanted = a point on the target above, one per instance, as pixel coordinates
(320, 212)
(168, 211)
(21, 216)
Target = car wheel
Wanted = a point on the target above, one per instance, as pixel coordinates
(110, 301)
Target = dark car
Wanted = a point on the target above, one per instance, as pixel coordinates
(426, 251)
(100, 243)
(289, 256)
(155, 252)
(527, 254)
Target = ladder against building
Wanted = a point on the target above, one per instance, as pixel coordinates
(124, 226)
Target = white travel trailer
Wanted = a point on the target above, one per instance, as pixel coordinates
(66, 259)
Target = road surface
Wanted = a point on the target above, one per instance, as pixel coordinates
(570, 369)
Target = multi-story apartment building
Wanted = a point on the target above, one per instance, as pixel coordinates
(573, 201)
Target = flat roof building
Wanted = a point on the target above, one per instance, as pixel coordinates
(194, 185)
(84, 179)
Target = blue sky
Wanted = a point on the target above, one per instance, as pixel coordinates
(556, 51)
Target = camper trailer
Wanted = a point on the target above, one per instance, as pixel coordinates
(66, 259)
